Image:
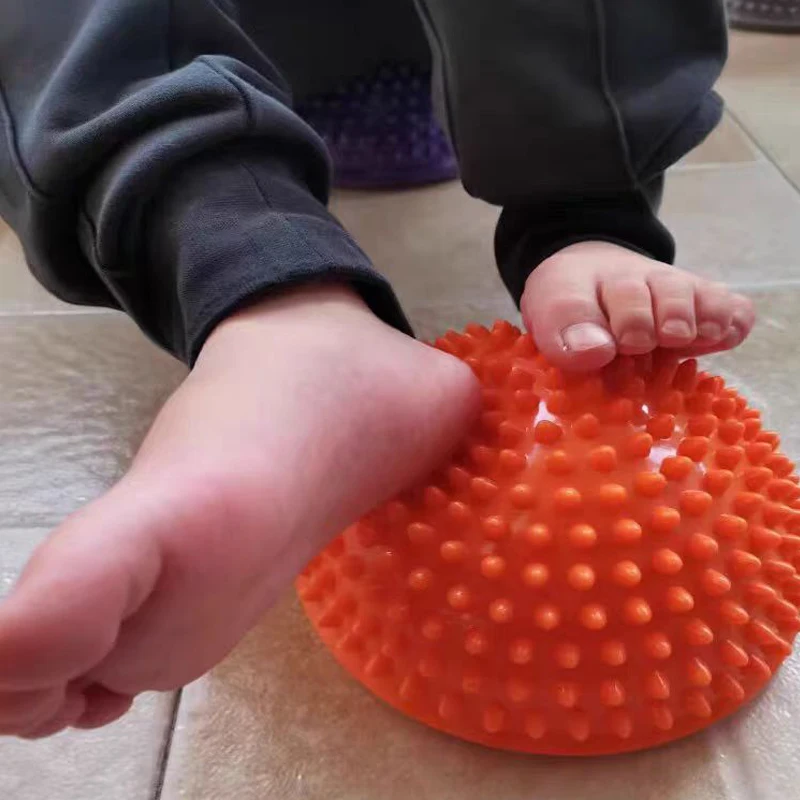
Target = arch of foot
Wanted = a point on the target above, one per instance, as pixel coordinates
(608, 563)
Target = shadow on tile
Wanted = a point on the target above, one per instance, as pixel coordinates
(21, 292)
(727, 144)
(434, 245)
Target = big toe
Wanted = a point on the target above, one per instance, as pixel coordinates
(564, 315)
(64, 614)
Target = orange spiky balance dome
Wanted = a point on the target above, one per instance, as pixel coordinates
(608, 563)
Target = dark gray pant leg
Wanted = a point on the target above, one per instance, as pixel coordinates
(316, 43)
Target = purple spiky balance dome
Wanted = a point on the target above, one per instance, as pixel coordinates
(381, 130)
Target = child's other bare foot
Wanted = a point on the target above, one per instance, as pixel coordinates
(301, 414)
(593, 300)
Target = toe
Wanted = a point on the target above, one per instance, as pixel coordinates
(64, 615)
(629, 306)
(67, 715)
(22, 711)
(742, 320)
(102, 707)
(565, 319)
(744, 316)
(714, 307)
(673, 299)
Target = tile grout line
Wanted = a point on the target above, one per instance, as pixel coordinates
(163, 760)
(751, 138)
(759, 159)
(763, 150)
(715, 166)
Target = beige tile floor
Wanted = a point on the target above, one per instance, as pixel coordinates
(278, 719)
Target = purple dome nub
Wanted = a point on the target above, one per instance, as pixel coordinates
(381, 131)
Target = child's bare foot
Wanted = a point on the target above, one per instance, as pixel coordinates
(593, 300)
(300, 415)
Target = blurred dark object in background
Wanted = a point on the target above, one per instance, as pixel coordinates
(779, 16)
(381, 130)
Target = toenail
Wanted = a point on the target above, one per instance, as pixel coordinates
(710, 330)
(586, 336)
(637, 339)
(734, 335)
(678, 328)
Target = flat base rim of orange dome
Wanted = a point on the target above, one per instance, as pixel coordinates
(621, 746)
